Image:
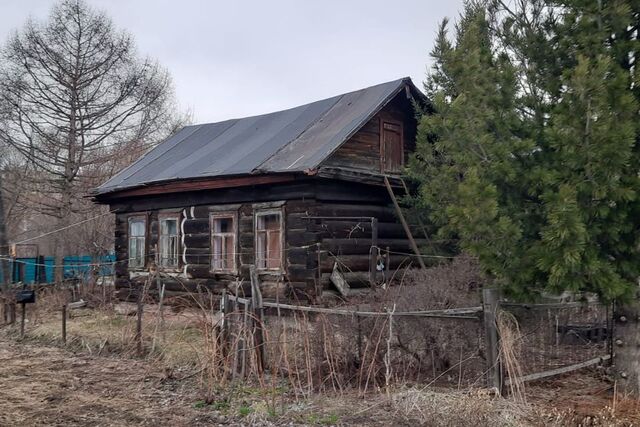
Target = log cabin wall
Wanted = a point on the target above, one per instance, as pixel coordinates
(316, 218)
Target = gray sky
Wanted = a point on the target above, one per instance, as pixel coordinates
(239, 58)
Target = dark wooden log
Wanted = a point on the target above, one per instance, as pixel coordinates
(297, 255)
(384, 213)
(197, 240)
(358, 262)
(361, 245)
(358, 228)
(303, 238)
(299, 272)
(197, 226)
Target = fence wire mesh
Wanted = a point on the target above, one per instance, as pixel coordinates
(562, 335)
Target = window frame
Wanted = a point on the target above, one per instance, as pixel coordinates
(383, 162)
(234, 216)
(178, 218)
(145, 247)
(264, 212)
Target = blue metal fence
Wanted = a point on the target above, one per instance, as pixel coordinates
(73, 267)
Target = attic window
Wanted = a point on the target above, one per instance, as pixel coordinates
(268, 227)
(391, 146)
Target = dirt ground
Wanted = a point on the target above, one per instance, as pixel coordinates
(43, 384)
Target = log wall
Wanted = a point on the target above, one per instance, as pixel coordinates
(320, 221)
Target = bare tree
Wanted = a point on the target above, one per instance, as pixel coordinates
(4, 244)
(78, 100)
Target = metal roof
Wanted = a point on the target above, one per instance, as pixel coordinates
(293, 140)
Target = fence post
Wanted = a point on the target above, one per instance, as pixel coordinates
(258, 310)
(490, 307)
(319, 277)
(64, 323)
(224, 323)
(139, 323)
(373, 252)
(22, 319)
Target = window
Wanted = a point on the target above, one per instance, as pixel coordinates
(391, 147)
(269, 240)
(137, 233)
(169, 242)
(223, 242)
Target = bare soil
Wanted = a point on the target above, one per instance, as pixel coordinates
(45, 385)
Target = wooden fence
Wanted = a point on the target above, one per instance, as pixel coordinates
(253, 317)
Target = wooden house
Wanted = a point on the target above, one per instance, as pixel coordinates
(297, 193)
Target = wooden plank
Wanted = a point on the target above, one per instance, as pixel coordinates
(339, 282)
(560, 371)
(404, 222)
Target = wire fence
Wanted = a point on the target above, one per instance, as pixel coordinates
(557, 335)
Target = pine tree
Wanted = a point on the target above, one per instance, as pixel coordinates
(531, 158)
(530, 161)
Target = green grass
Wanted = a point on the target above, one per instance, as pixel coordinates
(244, 410)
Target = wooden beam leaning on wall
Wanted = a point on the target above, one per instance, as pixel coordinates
(407, 230)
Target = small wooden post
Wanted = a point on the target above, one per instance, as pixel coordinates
(64, 323)
(224, 322)
(244, 342)
(373, 252)
(12, 313)
(490, 306)
(139, 323)
(359, 320)
(160, 319)
(319, 278)
(387, 266)
(256, 304)
(23, 315)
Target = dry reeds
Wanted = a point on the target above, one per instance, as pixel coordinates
(510, 353)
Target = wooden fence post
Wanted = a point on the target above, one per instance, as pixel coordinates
(224, 323)
(64, 323)
(258, 311)
(139, 323)
(490, 307)
(373, 252)
(23, 315)
(319, 288)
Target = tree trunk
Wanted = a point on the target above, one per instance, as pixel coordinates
(4, 244)
(626, 348)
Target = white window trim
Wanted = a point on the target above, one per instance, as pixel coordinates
(259, 213)
(234, 233)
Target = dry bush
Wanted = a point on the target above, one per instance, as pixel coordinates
(441, 350)
(313, 352)
(457, 409)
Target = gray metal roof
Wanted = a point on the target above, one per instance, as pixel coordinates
(292, 140)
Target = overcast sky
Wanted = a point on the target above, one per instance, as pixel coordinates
(238, 58)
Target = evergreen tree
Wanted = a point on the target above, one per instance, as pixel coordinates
(530, 159)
